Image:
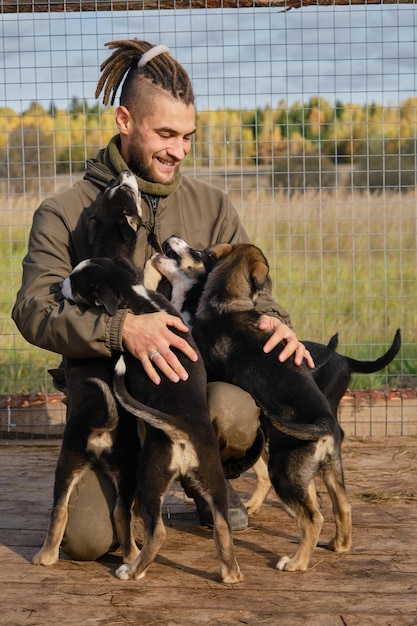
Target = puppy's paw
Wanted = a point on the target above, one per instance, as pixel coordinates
(231, 577)
(45, 558)
(282, 563)
(123, 572)
(152, 276)
(252, 506)
(285, 564)
(339, 546)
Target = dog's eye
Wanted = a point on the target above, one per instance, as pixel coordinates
(198, 253)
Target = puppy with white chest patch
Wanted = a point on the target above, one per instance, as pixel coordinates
(186, 269)
(180, 441)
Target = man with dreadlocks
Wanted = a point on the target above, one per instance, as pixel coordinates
(156, 124)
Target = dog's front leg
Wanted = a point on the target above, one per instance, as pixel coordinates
(263, 484)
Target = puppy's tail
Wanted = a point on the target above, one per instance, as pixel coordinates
(334, 342)
(171, 425)
(368, 367)
(110, 418)
(304, 432)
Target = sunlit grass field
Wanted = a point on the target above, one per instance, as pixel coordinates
(341, 261)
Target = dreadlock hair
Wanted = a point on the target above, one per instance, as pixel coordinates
(162, 71)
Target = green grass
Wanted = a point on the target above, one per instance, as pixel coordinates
(346, 263)
(339, 263)
(23, 368)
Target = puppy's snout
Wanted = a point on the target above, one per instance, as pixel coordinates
(173, 247)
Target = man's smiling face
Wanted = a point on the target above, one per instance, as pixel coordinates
(156, 144)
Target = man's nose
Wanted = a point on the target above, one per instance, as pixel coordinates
(178, 148)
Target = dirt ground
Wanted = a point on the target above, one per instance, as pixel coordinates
(375, 583)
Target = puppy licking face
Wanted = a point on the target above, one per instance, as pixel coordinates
(123, 197)
(113, 226)
(186, 268)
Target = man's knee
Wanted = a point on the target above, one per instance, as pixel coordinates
(235, 418)
(89, 533)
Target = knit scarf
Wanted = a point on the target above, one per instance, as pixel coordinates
(115, 162)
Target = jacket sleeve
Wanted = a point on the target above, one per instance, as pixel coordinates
(44, 317)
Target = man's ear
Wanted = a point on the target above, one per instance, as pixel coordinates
(123, 120)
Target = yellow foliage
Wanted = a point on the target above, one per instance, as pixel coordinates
(234, 137)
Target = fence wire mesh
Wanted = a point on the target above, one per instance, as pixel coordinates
(306, 117)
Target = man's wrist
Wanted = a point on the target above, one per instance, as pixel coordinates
(115, 330)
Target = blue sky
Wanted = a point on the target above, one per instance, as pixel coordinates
(237, 59)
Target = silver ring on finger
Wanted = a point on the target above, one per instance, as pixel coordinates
(153, 355)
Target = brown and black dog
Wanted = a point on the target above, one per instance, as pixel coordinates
(226, 327)
(180, 441)
(187, 270)
(304, 435)
(98, 434)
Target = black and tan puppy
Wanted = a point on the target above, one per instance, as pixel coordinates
(333, 379)
(187, 270)
(180, 441)
(112, 229)
(98, 433)
(305, 438)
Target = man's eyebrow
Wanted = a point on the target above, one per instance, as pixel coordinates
(167, 129)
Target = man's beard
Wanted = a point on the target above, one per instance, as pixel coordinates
(136, 164)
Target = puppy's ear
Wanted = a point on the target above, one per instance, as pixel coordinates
(104, 296)
(135, 275)
(259, 275)
(219, 250)
(91, 229)
(127, 227)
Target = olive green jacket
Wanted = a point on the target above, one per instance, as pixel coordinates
(197, 212)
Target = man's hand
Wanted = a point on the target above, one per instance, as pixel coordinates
(149, 338)
(280, 331)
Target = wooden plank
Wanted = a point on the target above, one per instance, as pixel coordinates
(68, 6)
(375, 583)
